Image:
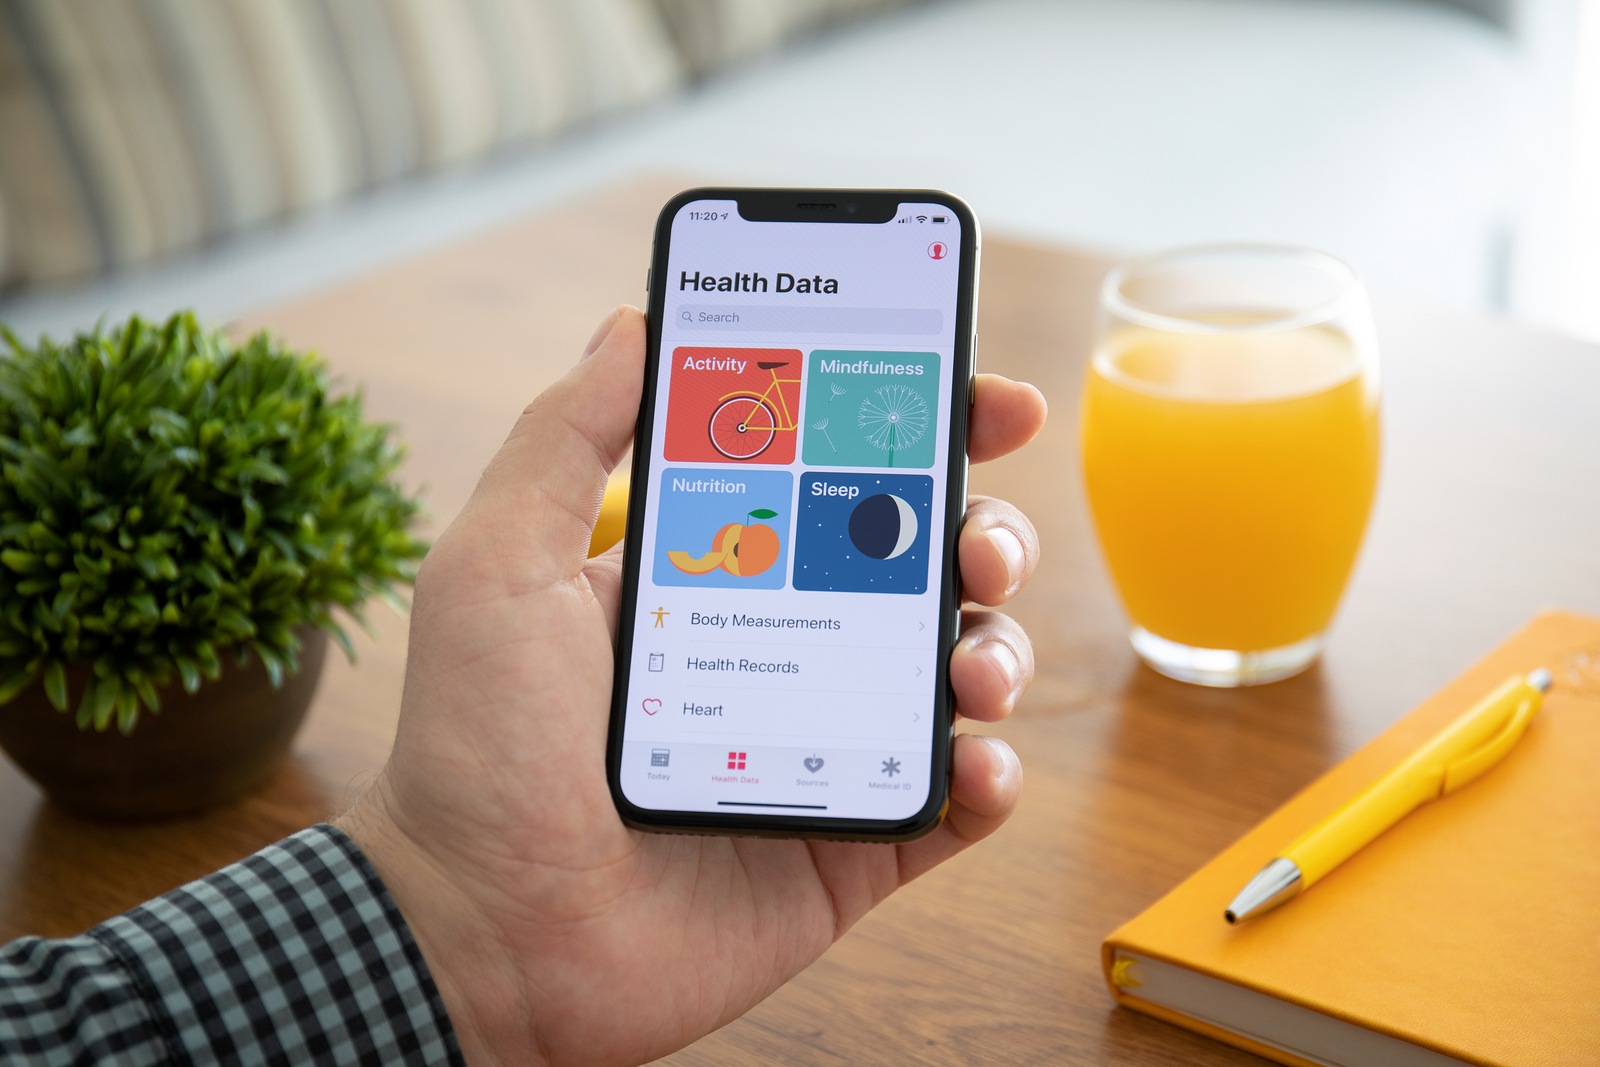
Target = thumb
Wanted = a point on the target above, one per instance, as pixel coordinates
(543, 488)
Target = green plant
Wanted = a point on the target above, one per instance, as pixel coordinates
(169, 498)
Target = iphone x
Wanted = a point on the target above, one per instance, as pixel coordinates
(790, 594)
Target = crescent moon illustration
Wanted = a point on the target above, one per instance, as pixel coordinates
(908, 528)
(882, 526)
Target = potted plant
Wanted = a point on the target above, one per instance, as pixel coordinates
(180, 519)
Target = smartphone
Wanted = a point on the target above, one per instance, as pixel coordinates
(790, 593)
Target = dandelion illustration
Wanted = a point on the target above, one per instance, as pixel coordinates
(894, 417)
(822, 424)
(835, 389)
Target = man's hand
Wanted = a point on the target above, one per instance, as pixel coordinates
(556, 934)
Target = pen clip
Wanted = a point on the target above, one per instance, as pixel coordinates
(1494, 749)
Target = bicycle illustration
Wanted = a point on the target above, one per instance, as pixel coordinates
(744, 423)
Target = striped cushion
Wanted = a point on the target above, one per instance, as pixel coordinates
(131, 130)
(134, 129)
(712, 34)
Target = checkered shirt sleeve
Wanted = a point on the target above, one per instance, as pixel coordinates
(296, 955)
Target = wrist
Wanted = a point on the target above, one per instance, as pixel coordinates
(474, 969)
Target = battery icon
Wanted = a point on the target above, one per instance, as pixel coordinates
(941, 218)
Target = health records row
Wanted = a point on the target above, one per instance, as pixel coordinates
(836, 408)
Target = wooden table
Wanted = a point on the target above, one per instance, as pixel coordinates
(1489, 510)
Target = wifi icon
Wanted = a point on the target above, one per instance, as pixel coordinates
(922, 218)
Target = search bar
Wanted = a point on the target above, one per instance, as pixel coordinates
(766, 318)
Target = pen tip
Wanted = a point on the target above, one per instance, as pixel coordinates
(1540, 679)
(1277, 882)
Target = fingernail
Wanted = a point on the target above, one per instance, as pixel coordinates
(1010, 766)
(1004, 657)
(1009, 545)
(600, 334)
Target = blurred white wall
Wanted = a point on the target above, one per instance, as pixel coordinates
(1573, 302)
(1430, 147)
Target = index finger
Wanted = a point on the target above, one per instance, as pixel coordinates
(1005, 416)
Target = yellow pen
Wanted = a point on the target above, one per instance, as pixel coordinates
(1458, 754)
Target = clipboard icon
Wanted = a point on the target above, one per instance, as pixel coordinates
(658, 662)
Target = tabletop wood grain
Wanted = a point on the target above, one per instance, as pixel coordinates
(1488, 510)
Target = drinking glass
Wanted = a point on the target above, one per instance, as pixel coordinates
(1230, 453)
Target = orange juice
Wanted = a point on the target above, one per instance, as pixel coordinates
(1230, 476)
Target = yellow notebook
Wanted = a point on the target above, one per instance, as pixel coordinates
(1467, 933)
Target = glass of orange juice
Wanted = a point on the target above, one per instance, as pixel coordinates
(1230, 453)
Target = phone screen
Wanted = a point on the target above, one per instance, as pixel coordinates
(802, 457)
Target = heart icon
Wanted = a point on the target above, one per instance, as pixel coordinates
(813, 764)
(651, 705)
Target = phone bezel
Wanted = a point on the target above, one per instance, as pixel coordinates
(870, 206)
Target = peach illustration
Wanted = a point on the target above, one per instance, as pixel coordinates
(744, 551)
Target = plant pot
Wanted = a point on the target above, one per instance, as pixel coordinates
(199, 751)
